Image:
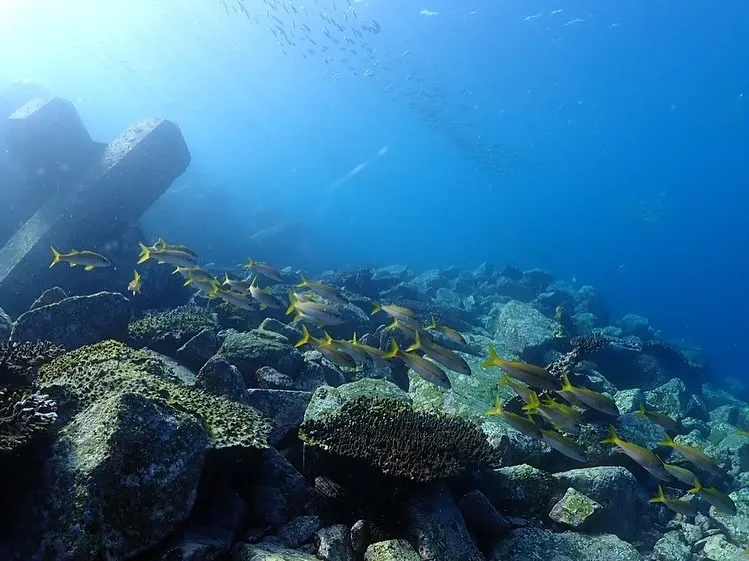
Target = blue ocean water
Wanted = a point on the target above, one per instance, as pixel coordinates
(605, 142)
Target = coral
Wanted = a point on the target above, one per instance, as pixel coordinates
(582, 347)
(167, 330)
(564, 326)
(109, 368)
(391, 436)
(19, 362)
(23, 417)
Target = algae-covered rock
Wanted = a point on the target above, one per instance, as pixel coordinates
(671, 547)
(388, 434)
(125, 475)
(327, 400)
(251, 350)
(391, 550)
(736, 527)
(521, 489)
(284, 408)
(574, 509)
(167, 330)
(531, 543)
(673, 399)
(718, 548)
(197, 350)
(334, 543)
(220, 378)
(437, 527)
(76, 321)
(96, 372)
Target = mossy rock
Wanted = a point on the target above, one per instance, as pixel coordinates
(166, 331)
(328, 400)
(251, 350)
(96, 372)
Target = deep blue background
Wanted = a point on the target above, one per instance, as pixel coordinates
(640, 106)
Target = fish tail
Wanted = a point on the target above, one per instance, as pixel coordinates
(493, 358)
(667, 440)
(226, 278)
(433, 324)
(214, 290)
(328, 338)
(145, 253)
(641, 412)
(250, 263)
(303, 282)
(377, 307)
(188, 282)
(566, 384)
(613, 437)
(56, 257)
(497, 409)
(697, 487)
(660, 497)
(393, 352)
(353, 339)
(417, 343)
(292, 304)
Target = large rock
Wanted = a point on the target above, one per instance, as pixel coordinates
(76, 321)
(623, 502)
(531, 543)
(522, 329)
(521, 489)
(391, 550)
(285, 409)
(50, 296)
(574, 510)
(251, 350)
(672, 547)
(673, 399)
(437, 527)
(126, 472)
(6, 325)
(269, 551)
(218, 377)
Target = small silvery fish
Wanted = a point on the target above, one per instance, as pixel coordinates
(682, 474)
(170, 256)
(561, 416)
(591, 398)
(327, 347)
(328, 292)
(647, 459)
(236, 285)
(264, 269)
(520, 424)
(87, 259)
(447, 358)
(135, 284)
(534, 376)
(236, 299)
(264, 296)
(403, 315)
(422, 366)
(192, 272)
(162, 245)
(520, 389)
(678, 506)
(564, 445)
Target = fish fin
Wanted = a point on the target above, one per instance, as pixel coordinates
(667, 440)
(433, 324)
(250, 263)
(613, 437)
(188, 282)
(417, 343)
(534, 404)
(176, 270)
(56, 256)
(376, 308)
(72, 264)
(392, 325)
(88, 268)
(566, 384)
(292, 303)
(226, 279)
(303, 282)
(697, 487)
(493, 358)
(353, 339)
(145, 254)
(504, 380)
(263, 306)
(641, 412)
(328, 338)
(659, 498)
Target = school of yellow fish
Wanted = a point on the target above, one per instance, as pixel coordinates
(526, 379)
(429, 359)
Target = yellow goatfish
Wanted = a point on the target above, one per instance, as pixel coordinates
(591, 398)
(664, 421)
(170, 256)
(564, 445)
(403, 315)
(135, 284)
(422, 366)
(534, 376)
(88, 259)
(326, 291)
(447, 358)
(721, 501)
(682, 474)
(264, 269)
(561, 416)
(520, 389)
(452, 334)
(677, 505)
(693, 455)
(327, 347)
(520, 424)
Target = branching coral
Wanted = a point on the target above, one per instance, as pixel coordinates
(389, 435)
(23, 417)
(582, 347)
(19, 362)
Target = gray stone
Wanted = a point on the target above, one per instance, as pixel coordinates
(633, 324)
(521, 328)
(531, 543)
(88, 195)
(589, 301)
(731, 454)
(299, 530)
(254, 349)
(269, 551)
(327, 400)
(290, 331)
(584, 323)
(195, 549)
(629, 401)
(437, 527)
(574, 510)
(126, 472)
(521, 490)
(671, 547)
(318, 371)
(718, 548)
(334, 543)
(715, 397)
(6, 325)
(269, 378)
(391, 550)
(623, 502)
(284, 408)
(76, 321)
(673, 399)
(219, 377)
(481, 518)
(197, 350)
(50, 296)
(736, 527)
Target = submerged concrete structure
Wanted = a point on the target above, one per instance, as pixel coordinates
(74, 193)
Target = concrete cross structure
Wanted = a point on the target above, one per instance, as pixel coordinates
(74, 192)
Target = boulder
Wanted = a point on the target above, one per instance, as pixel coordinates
(284, 408)
(254, 349)
(532, 543)
(50, 296)
(522, 329)
(391, 550)
(197, 350)
(334, 543)
(220, 378)
(574, 510)
(76, 321)
(6, 325)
